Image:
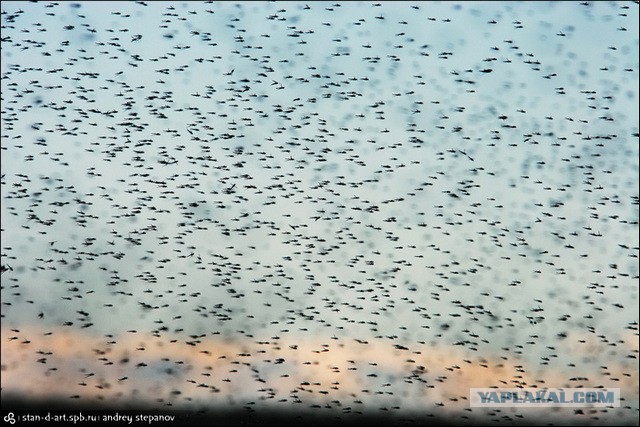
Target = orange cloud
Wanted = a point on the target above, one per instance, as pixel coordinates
(148, 370)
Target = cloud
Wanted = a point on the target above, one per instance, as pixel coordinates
(152, 371)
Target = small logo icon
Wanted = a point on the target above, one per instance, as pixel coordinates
(10, 418)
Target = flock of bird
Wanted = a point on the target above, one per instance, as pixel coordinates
(343, 209)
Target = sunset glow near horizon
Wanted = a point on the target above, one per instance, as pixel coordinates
(343, 208)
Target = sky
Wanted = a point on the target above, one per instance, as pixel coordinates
(326, 206)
